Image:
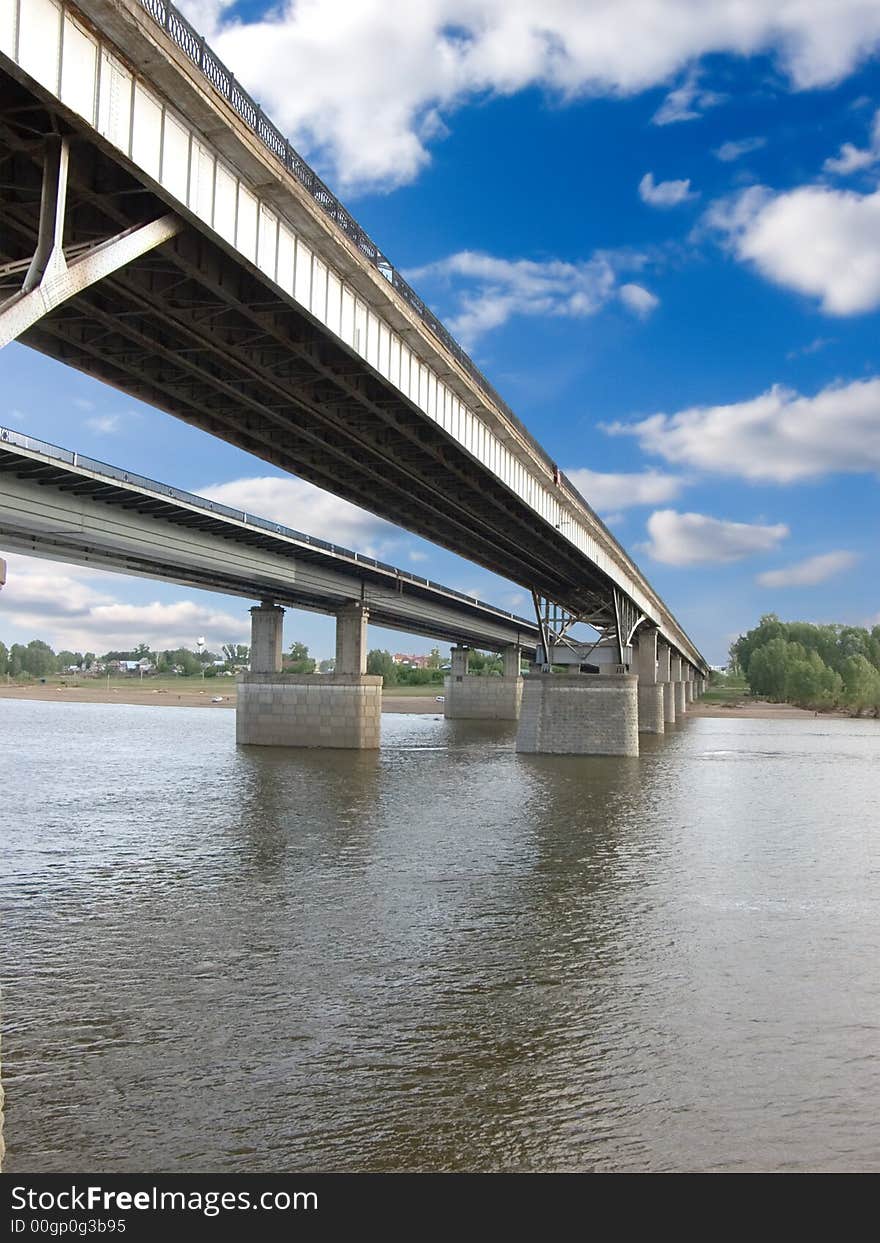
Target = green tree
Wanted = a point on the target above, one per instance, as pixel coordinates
(327, 666)
(861, 684)
(39, 659)
(380, 664)
(4, 660)
(434, 658)
(298, 659)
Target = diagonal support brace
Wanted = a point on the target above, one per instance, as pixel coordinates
(50, 279)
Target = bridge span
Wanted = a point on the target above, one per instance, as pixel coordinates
(161, 234)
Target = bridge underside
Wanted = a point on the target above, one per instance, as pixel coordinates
(191, 329)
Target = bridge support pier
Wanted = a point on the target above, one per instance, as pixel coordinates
(579, 714)
(341, 709)
(467, 697)
(677, 676)
(650, 689)
(664, 677)
(689, 684)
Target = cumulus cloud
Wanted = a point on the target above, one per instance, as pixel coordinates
(303, 507)
(664, 193)
(697, 539)
(375, 83)
(816, 240)
(730, 151)
(638, 299)
(612, 491)
(851, 159)
(809, 573)
(78, 609)
(779, 436)
(489, 291)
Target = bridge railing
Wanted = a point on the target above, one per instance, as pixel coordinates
(33, 444)
(194, 46)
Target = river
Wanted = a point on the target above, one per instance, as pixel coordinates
(440, 956)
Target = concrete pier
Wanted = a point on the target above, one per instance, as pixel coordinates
(579, 714)
(650, 688)
(341, 709)
(664, 657)
(676, 677)
(489, 698)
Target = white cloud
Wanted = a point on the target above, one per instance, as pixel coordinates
(686, 103)
(489, 291)
(816, 240)
(730, 151)
(304, 507)
(852, 159)
(601, 491)
(812, 347)
(376, 83)
(779, 436)
(664, 193)
(77, 609)
(416, 554)
(810, 572)
(639, 300)
(697, 539)
(105, 424)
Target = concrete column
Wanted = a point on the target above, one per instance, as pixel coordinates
(676, 676)
(650, 689)
(512, 657)
(689, 684)
(664, 677)
(579, 714)
(351, 639)
(2, 572)
(491, 698)
(342, 709)
(267, 625)
(460, 658)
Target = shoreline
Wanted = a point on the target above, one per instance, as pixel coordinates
(145, 696)
(152, 697)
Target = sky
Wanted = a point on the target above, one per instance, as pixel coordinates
(654, 224)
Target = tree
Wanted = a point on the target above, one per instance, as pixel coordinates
(236, 653)
(39, 659)
(861, 684)
(67, 659)
(298, 660)
(4, 660)
(327, 666)
(434, 658)
(380, 664)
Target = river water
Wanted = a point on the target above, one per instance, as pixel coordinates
(441, 956)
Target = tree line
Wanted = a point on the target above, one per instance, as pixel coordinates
(819, 667)
(38, 660)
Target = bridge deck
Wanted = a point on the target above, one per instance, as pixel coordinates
(267, 322)
(59, 504)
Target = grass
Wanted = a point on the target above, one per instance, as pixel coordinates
(727, 692)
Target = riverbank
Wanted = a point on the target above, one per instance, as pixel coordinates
(396, 699)
(143, 695)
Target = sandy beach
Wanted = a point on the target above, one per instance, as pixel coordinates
(188, 697)
(145, 695)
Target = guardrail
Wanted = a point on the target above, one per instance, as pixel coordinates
(69, 457)
(193, 45)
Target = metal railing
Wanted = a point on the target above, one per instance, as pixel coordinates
(193, 45)
(113, 474)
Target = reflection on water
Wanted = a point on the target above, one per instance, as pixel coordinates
(441, 956)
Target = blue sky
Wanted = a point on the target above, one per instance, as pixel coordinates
(660, 240)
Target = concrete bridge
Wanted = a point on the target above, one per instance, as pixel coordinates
(162, 235)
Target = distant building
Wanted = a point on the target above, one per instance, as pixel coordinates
(411, 661)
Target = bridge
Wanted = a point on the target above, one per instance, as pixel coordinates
(162, 235)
